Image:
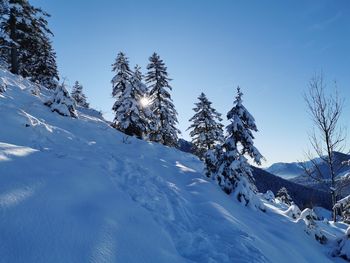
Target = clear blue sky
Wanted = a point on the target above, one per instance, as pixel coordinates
(270, 48)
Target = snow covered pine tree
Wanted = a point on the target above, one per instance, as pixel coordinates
(234, 174)
(140, 112)
(62, 103)
(128, 91)
(119, 84)
(25, 43)
(78, 95)
(164, 114)
(211, 158)
(206, 129)
(284, 196)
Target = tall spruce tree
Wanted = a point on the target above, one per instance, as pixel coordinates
(129, 112)
(206, 129)
(121, 90)
(3, 37)
(164, 114)
(43, 67)
(140, 111)
(78, 95)
(234, 174)
(25, 43)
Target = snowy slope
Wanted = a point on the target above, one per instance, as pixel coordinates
(75, 190)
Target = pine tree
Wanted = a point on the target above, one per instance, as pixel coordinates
(164, 114)
(234, 173)
(284, 196)
(142, 113)
(130, 116)
(43, 65)
(123, 92)
(211, 158)
(25, 44)
(78, 95)
(4, 47)
(62, 103)
(206, 129)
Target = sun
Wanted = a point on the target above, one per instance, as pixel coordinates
(145, 102)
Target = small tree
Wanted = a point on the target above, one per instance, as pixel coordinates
(2, 87)
(234, 173)
(206, 129)
(78, 95)
(284, 196)
(164, 114)
(328, 137)
(61, 102)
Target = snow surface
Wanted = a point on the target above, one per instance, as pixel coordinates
(75, 190)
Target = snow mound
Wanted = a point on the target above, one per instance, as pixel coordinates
(293, 211)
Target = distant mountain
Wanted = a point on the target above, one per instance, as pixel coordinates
(286, 170)
(303, 196)
(295, 173)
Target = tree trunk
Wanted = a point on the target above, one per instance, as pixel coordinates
(333, 203)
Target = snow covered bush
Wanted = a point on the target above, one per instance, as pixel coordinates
(343, 246)
(234, 173)
(342, 207)
(62, 103)
(35, 88)
(309, 217)
(2, 87)
(283, 196)
(293, 211)
(269, 196)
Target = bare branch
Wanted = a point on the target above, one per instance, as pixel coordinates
(325, 111)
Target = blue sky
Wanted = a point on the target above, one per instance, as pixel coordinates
(270, 48)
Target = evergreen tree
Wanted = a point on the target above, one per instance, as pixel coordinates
(284, 196)
(123, 74)
(142, 113)
(62, 103)
(164, 114)
(129, 112)
(123, 92)
(78, 95)
(4, 47)
(206, 129)
(43, 65)
(211, 158)
(234, 174)
(25, 44)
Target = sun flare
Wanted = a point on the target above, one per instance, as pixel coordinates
(145, 102)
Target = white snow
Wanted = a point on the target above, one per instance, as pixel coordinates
(71, 190)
